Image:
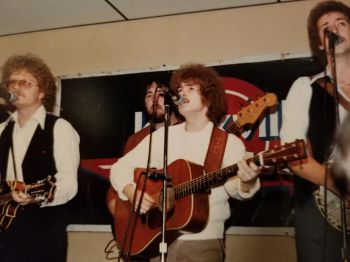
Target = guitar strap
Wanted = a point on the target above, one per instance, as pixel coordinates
(329, 87)
(5, 145)
(216, 150)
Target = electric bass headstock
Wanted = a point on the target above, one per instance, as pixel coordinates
(251, 113)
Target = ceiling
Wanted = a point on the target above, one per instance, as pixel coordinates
(22, 16)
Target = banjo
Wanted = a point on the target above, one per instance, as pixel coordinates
(330, 206)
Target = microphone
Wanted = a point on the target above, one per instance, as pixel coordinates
(9, 96)
(154, 175)
(333, 38)
(176, 98)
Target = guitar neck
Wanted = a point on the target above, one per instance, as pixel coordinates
(252, 113)
(209, 180)
(235, 129)
(278, 155)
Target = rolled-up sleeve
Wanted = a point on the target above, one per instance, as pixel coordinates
(233, 188)
(235, 151)
(294, 111)
(122, 172)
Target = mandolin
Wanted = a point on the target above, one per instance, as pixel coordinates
(42, 190)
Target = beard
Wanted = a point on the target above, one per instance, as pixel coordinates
(156, 117)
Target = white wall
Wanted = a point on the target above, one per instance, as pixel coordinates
(228, 35)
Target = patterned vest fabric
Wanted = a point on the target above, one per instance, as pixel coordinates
(39, 161)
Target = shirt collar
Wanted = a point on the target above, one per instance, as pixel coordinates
(208, 127)
(38, 116)
(320, 75)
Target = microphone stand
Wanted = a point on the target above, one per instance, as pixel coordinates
(134, 214)
(331, 51)
(163, 245)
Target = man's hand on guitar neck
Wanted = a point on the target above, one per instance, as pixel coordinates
(22, 198)
(248, 174)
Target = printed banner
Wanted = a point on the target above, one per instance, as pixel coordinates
(105, 110)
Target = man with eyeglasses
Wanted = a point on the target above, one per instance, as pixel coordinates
(42, 151)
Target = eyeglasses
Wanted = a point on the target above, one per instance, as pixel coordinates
(22, 83)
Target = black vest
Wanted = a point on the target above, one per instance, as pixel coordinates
(321, 131)
(39, 162)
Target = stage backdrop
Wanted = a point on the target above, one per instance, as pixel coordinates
(105, 110)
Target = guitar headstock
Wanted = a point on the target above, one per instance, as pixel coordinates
(285, 153)
(251, 113)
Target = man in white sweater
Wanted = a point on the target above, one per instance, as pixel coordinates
(204, 108)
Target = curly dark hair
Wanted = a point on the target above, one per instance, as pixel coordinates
(319, 10)
(40, 71)
(211, 88)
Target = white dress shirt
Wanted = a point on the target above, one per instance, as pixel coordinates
(66, 153)
(296, 109)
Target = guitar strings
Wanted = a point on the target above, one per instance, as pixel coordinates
(192, 186)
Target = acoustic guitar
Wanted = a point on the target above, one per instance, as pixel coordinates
(191, 209)
(43, 190)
